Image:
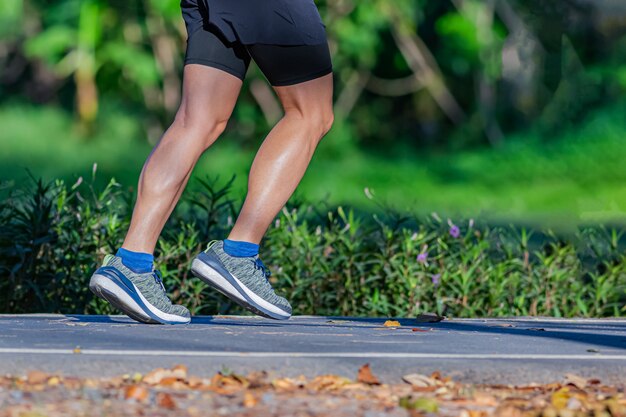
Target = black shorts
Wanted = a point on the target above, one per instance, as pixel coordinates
(282, 65)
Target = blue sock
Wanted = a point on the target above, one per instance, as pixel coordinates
(138, 262)
(240, 249)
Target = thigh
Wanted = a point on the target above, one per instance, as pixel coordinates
(290, 65)
(209, 95)
(311, 97)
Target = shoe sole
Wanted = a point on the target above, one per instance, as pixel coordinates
(218, 278)
(130, 301)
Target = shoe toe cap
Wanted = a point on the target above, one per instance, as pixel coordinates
(284, 305)
(181, 311)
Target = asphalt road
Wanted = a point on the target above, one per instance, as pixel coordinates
(514, 351)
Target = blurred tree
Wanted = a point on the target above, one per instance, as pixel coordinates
(412, 70)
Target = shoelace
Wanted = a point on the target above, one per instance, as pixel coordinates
(211, 243)
(159, 280)
(259, 265)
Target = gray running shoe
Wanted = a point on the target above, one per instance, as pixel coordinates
(242, 279)
(140, 296)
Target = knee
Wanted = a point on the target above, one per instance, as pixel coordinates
(317, 122)
(200, 127)
(328, 119)
(321, 122)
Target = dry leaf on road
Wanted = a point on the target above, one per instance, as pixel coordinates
(560, 398)
(179, 371)
(366, 376)
(326, 395)
(392, 323)
(419, 380)
(166, 376)
(37, 377)
(575, 380)
(156, 376)
(328, 383)
(165, 400)
(249, 400)
(137, 393)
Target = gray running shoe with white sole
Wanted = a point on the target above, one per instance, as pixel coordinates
(140, 296)
(242, 279)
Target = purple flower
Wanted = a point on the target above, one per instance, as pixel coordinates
(435, 279)
(422, 257)
(455, 232)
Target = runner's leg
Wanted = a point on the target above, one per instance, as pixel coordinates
(209, 96)
(285, 154)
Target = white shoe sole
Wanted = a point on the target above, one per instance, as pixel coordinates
(105, 288)
(244, 297)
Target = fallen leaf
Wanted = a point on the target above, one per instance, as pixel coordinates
(560, 398)
(54, 381)
(179, 371)
(168, 381)
(392, 323)
(616, 407)
(428, 405)
(249, 400)
(575, 380)
(258, 379)
(137, 393)
(418, 380)
(328, 383)
(366, 376)
(77, 350)
(429, 318)
(285, 384)
(228, 384)
(155, 376)
(415, 329)
(37, 377)
(195, 382)
(165, 400)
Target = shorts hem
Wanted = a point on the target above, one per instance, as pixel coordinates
(303, 79)
(216, 65)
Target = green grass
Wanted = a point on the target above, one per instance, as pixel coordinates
(577, 177)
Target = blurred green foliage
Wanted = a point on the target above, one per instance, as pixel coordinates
(447, 73)
(576, 177)
(327, 261)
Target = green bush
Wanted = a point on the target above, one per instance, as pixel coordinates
(328, 262)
